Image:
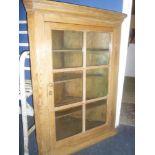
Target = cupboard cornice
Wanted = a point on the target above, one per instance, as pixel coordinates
(62, 12)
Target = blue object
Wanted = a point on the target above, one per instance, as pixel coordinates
(113, 5)
(22, 11)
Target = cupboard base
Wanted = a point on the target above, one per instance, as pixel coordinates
(81, 143)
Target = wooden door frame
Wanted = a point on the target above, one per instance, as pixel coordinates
(111, 98)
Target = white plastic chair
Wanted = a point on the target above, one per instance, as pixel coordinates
(25, 92)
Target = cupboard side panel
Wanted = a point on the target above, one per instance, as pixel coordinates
(113, 76)
(40, 69)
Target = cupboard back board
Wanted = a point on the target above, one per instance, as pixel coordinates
(74, 52)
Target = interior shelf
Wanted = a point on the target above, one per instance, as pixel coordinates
(67, 50)
(73, 76)
(68, 100)
(59, 77)
(97, 50)
(57, 82)
(80, 50)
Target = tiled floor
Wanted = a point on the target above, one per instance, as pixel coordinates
(128, 102)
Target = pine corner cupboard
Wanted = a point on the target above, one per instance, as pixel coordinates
(74, 52)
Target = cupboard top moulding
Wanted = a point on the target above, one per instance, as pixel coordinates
(75, 14)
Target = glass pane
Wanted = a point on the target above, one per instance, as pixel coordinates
(95, 58)
(68, 122)
(98, 45)
(96, 114)
(67, 49)
(96, 83)
(67, 88)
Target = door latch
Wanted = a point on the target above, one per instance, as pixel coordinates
(50, 89)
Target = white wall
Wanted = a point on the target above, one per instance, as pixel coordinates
(130, 64)
(127, 6)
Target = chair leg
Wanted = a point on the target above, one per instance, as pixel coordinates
(31, 129)
(25, 129)
(29, 110)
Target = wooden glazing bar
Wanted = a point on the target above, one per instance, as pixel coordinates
(97, 50)
(96, 99)
(79, 103)
(97, 67)
(84, 83)
(68, 50)
(79, 68)
(68, 106)
(80, 50)
(68, 69)
(57, 82)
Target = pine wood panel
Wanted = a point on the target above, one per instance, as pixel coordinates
(41, 75)
(43, 16)
(81, 141)
(113, 76)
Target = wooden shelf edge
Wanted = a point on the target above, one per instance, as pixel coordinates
(80, 50)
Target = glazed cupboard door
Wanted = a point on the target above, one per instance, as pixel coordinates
(80, 80)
